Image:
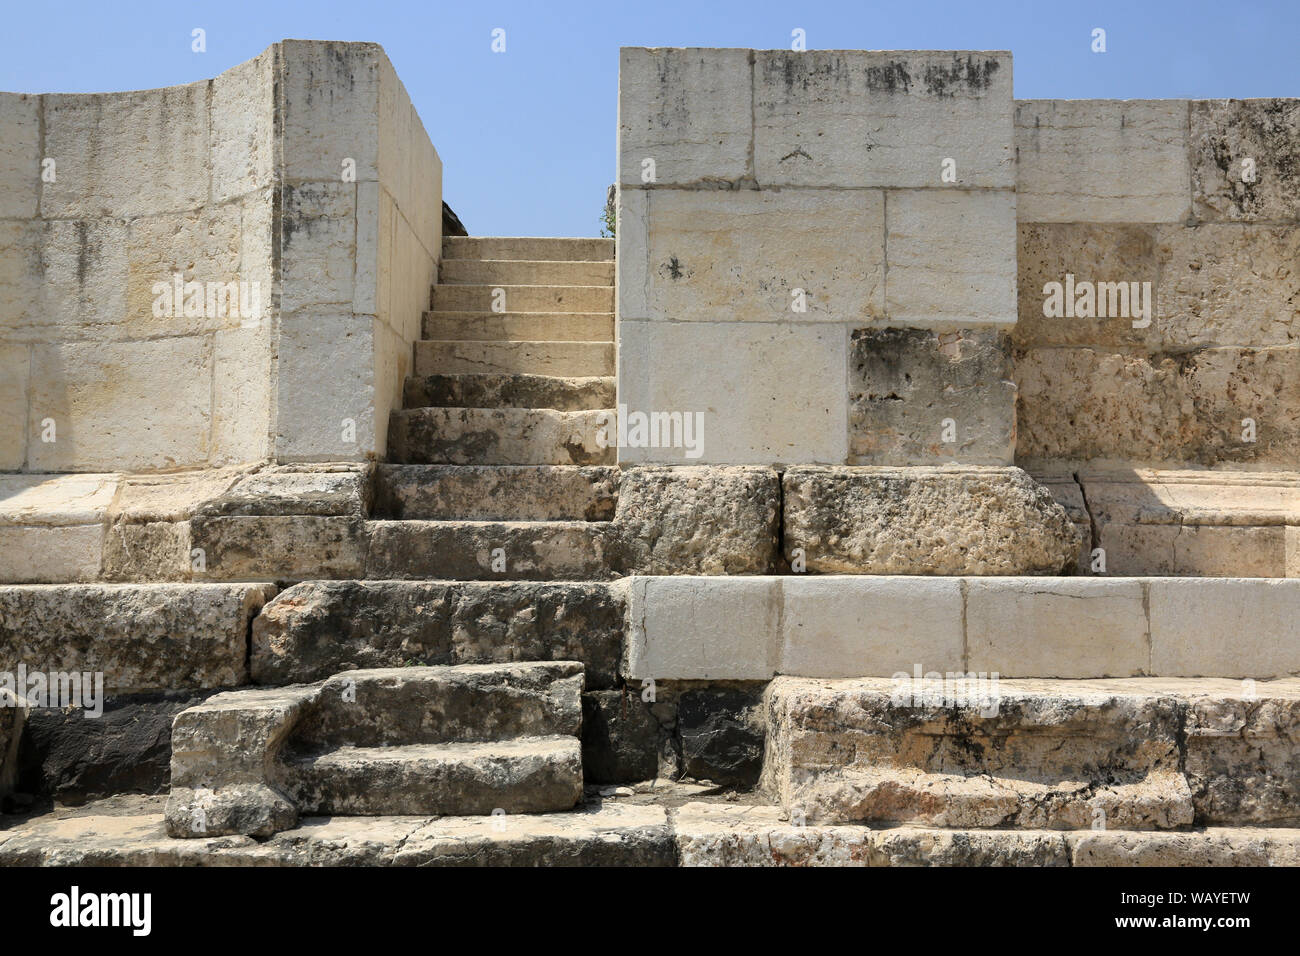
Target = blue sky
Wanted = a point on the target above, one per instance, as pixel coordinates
(527, 137)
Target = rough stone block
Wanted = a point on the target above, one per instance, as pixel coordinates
(852, 626)
(1225, 133)
(688, 110)
(318, 246)
(882, 118)
(1067, 628)
(1102, 161)
(688, 520)
(722, 733)
(20, 162)
(779, 398)
(737, 256)
(702, 628)
(325, 417)
(329, 98)
(951, 257)
(15, 361)
(918, 397)
(243, 127)
(279, 547)
(142, 637)
(620, 737)
(202, 245)
(924, 521)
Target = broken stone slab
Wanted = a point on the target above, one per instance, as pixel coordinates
(946, 521)
(698, 520)
(142, 637)
(318, 628)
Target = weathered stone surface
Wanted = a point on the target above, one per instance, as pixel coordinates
(1220, 846)
(20, 120)
(1159, 408)
(150, 552)
(698, 520)
(1102, 161)
(777, 397)
(12, 719)
(318, 628)
(142, 637)
(322, 490)
(497, 436)
(499, 390)
(52, 526)
(1197, 629)
(1032, 755)
(279, 547)
(925, 521)
(727, 256)
(496, 492)
(853, 118)
(15, 364)
(1224, 133)
(73, 760)
(909, 387)
(489, 550)
(620, 737)
(721, 732)
(951, 257)
(688, 110)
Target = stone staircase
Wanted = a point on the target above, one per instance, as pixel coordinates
(497, 473)
(470, 739)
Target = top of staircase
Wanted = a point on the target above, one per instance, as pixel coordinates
(567, 249)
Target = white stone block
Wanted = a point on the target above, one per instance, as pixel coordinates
(771, 255)
(1225, 627)
(14, 363)
(868, 626)
(20, 160)
(243, 128)
(779, 396)
(319, 246)
(686, 111)
(1056, 627)
(632, 253)
(50, 555)
(952, 257)
(853, 118)
(317, 414)
(703, 628)
(1103, 161)
(329, 98)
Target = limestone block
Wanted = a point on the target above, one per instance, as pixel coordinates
(1225, 133)
(688, 110)
(319, 628)
(737, 256)
(1085, 403)
(148, 552)
(882, 118)
(329, 101)
(21, 281)
(243, 360)
(201, 246)
(711, 834)
(144, 498)
(994, 521)
(56, 500)
(20, 162)
(322, 490)
(491, 550)
(142, 637)
(1094, 253)
(15, 360)
(692, 520)
(318, 246)
(1069, 495)
(1076, 627)
(951, 257)
(633, 256)
(1198, 627)
(12, 720)
(243, 127)
(43, 554)
(318, 414)
(620, 737)
(106, 167)
(702, 628)
(779, 397)
(278, 547)
(1220, 846)
(851, 626)
(130, 405)
(911, 390)
(1224, 284)
(1102, 161)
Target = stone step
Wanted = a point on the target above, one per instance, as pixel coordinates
(498, 436)
(489, 550)
(316, 629)
(1137, 754)
(564, 359)
(508, 390)
(387, 707)
(528, 247)
(526, 272)
(522, 298)
(520, 326)
(529, 775)
(496, 492)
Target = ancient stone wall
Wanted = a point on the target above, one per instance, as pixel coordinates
(178, 265)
